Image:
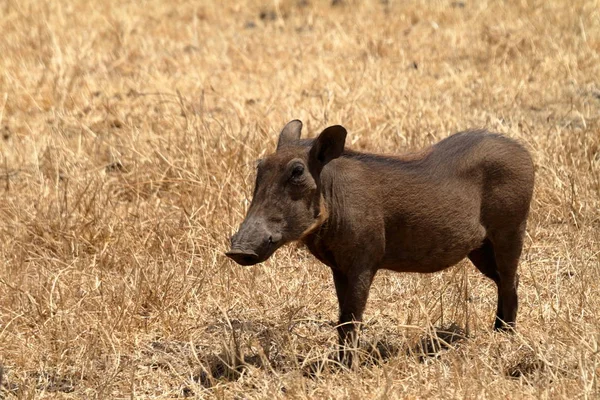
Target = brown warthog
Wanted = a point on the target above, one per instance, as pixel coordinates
(466, 196)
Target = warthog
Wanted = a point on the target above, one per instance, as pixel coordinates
(466, 196)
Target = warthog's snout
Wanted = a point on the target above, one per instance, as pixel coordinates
(253, 244)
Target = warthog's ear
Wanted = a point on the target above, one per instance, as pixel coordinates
(290, 133)
(328, 146)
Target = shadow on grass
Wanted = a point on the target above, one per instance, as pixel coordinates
(229, 365)
(430, 345)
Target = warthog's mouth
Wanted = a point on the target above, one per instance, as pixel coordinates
(243, 257)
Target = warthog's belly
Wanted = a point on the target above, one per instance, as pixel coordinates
(432, 251)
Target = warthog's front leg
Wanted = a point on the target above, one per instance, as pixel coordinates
(352, 290)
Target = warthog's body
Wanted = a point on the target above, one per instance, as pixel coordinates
(466, 196)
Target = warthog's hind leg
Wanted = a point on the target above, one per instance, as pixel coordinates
(507, 250)
(484, 260)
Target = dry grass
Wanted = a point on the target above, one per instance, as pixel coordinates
(129, 132)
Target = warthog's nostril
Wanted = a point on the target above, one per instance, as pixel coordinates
(270, 239)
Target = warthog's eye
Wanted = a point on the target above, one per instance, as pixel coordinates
(297, 172)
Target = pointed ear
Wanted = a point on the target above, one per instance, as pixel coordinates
(290, 133)
(328, 146)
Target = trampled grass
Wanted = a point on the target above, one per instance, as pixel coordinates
(129, 132)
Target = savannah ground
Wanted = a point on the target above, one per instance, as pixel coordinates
(129, 133)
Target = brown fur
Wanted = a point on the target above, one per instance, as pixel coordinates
(466, 196)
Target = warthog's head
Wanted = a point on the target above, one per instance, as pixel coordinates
(287, 202)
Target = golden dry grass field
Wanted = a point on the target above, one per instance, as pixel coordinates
(129, 132)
